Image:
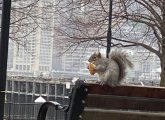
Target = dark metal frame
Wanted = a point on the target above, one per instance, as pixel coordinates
(76, 105)
(4, 40)
(44, 108)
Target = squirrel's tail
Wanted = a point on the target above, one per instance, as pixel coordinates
(121, 58)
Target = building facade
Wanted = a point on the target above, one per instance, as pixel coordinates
(33, 55)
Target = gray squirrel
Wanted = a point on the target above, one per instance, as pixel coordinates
(112, 70)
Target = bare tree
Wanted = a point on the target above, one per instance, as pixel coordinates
(82, 21)
(27, 17)
(86, 21)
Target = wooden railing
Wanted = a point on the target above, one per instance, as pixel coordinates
(96, 102)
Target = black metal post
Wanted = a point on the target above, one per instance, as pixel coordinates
(109, 33)
(4, 39)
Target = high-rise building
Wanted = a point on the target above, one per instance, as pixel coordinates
(33, 55)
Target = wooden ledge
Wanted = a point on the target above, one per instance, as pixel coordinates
(100, 114)
(138, 112)
(126, 90)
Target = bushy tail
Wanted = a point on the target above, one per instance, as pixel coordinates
(121, 58)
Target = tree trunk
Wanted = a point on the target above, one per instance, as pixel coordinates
(162, 82)
(162, 57)
(162, 75)
(162, 61)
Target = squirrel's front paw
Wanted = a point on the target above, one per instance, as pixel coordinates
(92, 68)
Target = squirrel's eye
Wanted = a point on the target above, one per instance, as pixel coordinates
(95, 57)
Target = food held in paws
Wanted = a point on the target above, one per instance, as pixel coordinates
(91, 68)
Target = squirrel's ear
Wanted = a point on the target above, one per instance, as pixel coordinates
(99, 55)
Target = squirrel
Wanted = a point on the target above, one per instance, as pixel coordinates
(112, 70)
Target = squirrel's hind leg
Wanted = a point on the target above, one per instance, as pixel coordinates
(102, 81)
(112, 83)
